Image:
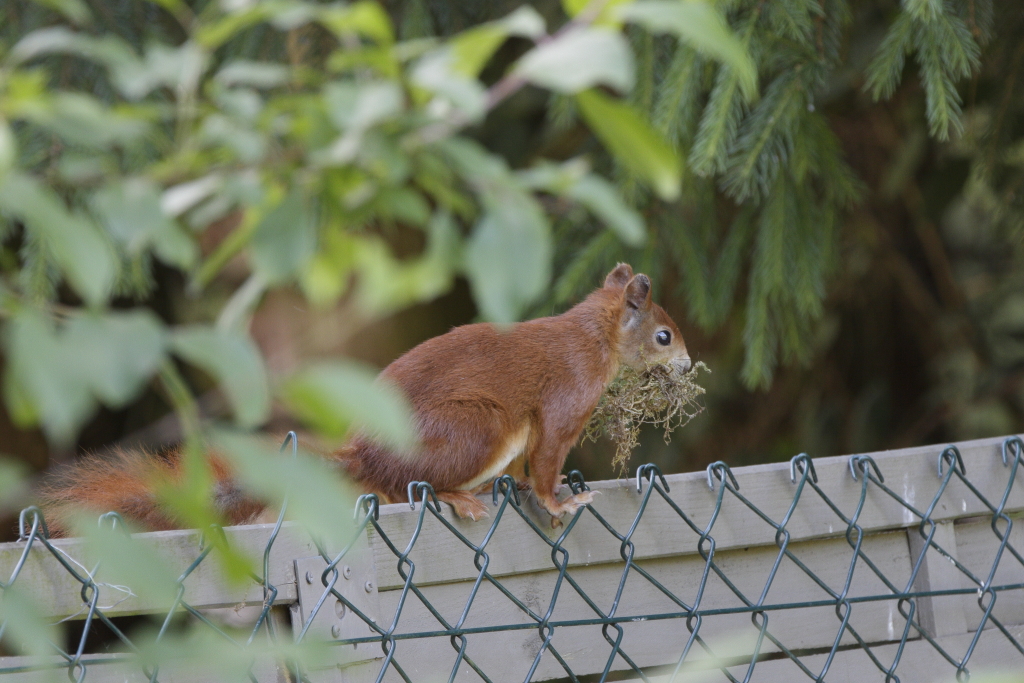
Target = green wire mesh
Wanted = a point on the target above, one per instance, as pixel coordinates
(611, 617)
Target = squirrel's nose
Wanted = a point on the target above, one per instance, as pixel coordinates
(683, 364)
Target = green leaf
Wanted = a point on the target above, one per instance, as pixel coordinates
(8, 148)
(126, 562)
(508, 256)
(179, 68)
(284, 241)
(387, 284)
(438, 73)
(604, 9)
(472, 49)
(124, 350)
(338, 396)
(76, 243)
(62, 373)
(26, 629)
(76, 11)
(13, 476)
(356, 106)
(131, 211)
(317, 496)
(43, 375)
(703, 27)
(632, 142)
(108, 50)
(362, 18)
(573, 181)
(121, 351)
(235, 362)
(252, 74)
(604, 201)
(578, 59)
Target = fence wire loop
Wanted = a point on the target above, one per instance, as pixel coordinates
(830, 537)
(803, 463)
(38, 523)
(722, 471)
(369, 504)
(502, 486)
(863, 463)
(650, 470)
(1018, 449)
(576, 482)
(425, 490)
(951, 456)
(115, 521)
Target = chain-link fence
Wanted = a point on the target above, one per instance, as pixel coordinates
(904, 565)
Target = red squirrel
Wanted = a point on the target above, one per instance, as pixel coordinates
(487, 400)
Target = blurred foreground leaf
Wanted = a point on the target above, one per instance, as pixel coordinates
(12, 483)
(316, 494)
(632, 142)
(26, 630)
(126, 563)
(573, 180)
(75, 242)
(336, 397)
(578, 59)
(234, 361)
(57, 375)
(702, 26)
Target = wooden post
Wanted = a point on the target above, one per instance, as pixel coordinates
(939, 615)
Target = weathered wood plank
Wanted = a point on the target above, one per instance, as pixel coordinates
(911, 473)
(108, 668)
(976, 548)
(920, 663)
(940, 615)
(508, 655)
(58, 593)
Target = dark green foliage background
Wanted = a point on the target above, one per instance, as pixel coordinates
(845, 252)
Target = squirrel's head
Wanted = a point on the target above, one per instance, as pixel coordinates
(647, 336)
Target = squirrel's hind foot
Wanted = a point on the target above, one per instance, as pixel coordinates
(464, 503)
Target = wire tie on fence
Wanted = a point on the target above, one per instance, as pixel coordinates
(804, 459)
(97, 584)
(369, 503)
(505, 482)
(951, 455)
(650, 470)
(36, 513)
(1018, 447)
(424, 488)
(862, 461)
(576, 482)
(722, 470)
(116, 522)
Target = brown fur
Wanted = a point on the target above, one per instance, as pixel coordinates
(480, 394)
(122, 481)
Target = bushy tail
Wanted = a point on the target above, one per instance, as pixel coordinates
(123, 482)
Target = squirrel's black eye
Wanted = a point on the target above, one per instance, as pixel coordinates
(664, 337)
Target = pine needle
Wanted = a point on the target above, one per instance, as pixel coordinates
(658, 395)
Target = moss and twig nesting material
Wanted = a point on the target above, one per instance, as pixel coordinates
(658, 395)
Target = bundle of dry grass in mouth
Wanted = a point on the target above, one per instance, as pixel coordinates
(658, 395)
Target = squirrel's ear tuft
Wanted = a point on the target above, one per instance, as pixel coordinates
(619, 277)
(638, 293)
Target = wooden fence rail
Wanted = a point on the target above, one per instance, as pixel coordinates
(911, 569)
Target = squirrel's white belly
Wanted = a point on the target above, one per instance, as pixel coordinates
(512, 449)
